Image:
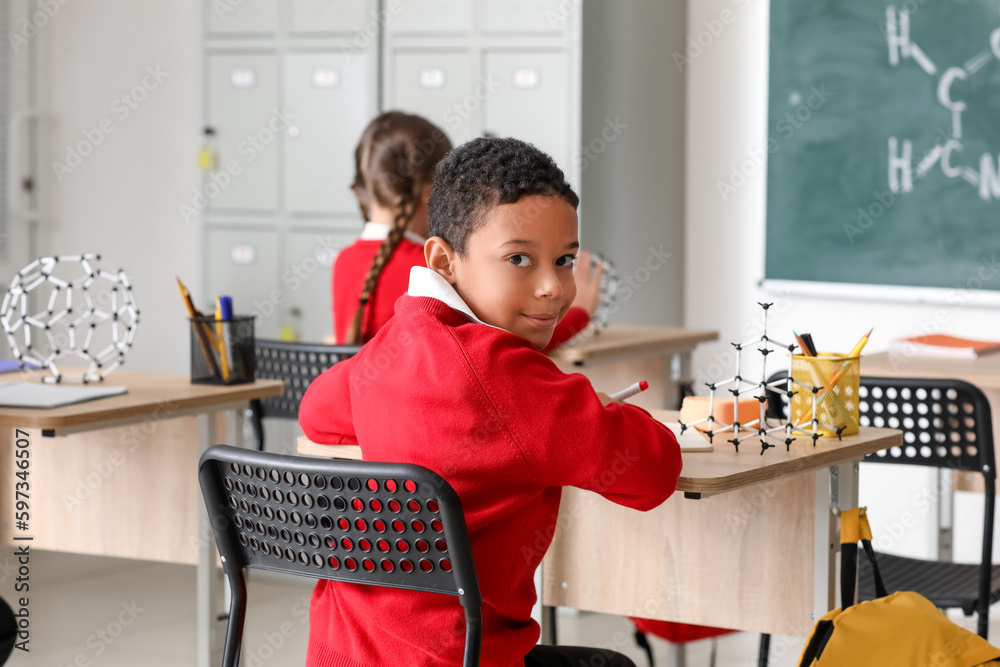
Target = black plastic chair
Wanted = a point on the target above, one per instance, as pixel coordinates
(297, 365)
(946, 424)
(336, 520)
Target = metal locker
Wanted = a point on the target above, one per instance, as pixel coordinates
(428, 16)
(306, 274)
(533, 101)
(242, 16)
(331, 97)
(439, 87)
(330, 16)
(528, 16)
(244, 265)
(247, 122)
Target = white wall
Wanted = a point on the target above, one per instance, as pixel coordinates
(633, 177)
(724, 253)
(122, 199)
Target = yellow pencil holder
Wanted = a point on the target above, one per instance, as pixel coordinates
(837, 404)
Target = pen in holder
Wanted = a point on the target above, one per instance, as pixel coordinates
(222, 351)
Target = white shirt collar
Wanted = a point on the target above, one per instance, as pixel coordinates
(376, 231)
(427, 282)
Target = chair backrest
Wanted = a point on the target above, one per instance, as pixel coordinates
(946, 423)
(297, 365)
(383, 524)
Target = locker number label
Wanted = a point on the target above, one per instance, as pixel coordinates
(242, 253)
(326, 77)
(243, 77)
(432, 77)
(527, 77)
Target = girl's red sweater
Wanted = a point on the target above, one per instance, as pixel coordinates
(352, 266)
(496, 418)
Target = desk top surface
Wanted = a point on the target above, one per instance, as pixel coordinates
(724, 469)
(616, 340)
(148, 394)
(984, 371)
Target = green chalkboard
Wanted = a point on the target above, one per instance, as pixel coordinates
(839, 208)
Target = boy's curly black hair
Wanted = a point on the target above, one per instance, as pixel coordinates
(484, 173)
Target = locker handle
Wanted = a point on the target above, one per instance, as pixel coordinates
(18, 120)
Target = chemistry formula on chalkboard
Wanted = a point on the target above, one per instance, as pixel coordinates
(947, 151)
(892, 177)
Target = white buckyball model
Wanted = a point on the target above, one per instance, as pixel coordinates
(67, 306)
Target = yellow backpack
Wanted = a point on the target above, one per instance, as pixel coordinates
(903, 629)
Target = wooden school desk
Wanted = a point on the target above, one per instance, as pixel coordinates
(123, 481)
(755, 551)
(621, 355)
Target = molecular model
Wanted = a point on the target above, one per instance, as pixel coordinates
(67, 306)
(738, 386)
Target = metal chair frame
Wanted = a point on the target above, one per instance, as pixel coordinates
(946, 424)
(382, 524)
(295, 364)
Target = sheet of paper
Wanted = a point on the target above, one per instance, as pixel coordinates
(691, 440)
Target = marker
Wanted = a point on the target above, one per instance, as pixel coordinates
(629, 392)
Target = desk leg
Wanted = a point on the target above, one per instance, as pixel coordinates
(211, 631)
(834, 485)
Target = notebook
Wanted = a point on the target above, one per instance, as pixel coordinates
(38, 395)
(691, 440)
(940, 345)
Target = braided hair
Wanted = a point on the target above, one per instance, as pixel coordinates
(394, 161)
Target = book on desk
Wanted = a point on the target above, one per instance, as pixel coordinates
(942, 346)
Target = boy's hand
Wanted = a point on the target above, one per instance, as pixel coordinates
(607, 400)
(588, 283)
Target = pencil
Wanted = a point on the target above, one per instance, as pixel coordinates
(204, 340)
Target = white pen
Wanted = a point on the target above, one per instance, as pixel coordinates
(630, 391)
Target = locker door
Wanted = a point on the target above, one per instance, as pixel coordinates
(243, 110)
(329, 95)
(429, 16)
(244, 265)
(242, 16)
(528, 16)
(307, 272)
(533, 103)
(438, 86)
(326, 16)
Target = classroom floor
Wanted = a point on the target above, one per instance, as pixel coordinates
(105, 612)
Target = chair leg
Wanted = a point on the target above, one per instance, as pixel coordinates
(643, 641)
(765, 648)
(714, 653)
(553, 636)
(678, 655)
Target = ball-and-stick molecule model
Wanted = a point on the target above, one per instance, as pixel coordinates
(67, 306)
(739, 386)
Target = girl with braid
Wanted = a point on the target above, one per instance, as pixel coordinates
(394, 167)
